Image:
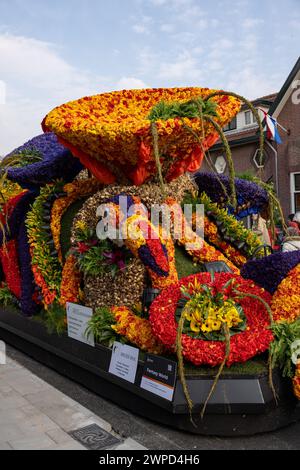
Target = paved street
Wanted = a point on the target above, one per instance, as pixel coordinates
(35, 415)
(38, 407)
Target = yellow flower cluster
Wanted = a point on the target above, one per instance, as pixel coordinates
(111, 127)
(8, 190)
(208, 318)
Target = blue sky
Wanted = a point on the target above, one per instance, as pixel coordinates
(54, 51)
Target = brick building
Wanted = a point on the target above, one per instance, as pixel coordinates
(282, 162)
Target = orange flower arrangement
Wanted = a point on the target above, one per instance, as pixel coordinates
(113, 130)
(285, 303)
(211, 233)
(202, 251)
(49, 295)
(296, 382)
(70, 284)
(137, 330)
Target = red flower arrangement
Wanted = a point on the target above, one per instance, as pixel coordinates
(10, 264)
(244, 345)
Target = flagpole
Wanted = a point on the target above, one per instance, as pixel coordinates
(281, 127)
(276, 167)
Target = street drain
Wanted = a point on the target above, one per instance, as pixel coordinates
(94, 438)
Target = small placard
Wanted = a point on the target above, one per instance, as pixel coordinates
(124, 361)
(78, 317)
(159, 376)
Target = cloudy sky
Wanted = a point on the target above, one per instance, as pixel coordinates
(52, 51)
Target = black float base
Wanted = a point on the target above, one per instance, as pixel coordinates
(241, 405)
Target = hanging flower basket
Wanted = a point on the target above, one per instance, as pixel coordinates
(112, 133)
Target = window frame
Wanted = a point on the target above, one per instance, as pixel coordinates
(294, 191)
(229, 127)
(248, 113)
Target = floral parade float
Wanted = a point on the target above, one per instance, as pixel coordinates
(77, 227)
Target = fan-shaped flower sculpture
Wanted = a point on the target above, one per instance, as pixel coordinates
(116, 135)
(40, 161)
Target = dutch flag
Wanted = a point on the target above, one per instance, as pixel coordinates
(272, 128)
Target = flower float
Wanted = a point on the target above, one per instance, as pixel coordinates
(246, 317)
(115, 134)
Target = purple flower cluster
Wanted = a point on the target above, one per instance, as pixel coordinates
(28, 287)
(57, 162)
(16, 229)
(247, 192)
(268, 272)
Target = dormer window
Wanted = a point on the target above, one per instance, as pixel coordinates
(231, 126)
(248, 117)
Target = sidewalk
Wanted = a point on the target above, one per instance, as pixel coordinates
(36, 416)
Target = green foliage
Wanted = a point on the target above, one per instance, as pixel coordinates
(21, 159)
(100, 325)
(280, 349)
(40, 236)
(92, 262)
(55, 319)
(188, 109)
(6, 297)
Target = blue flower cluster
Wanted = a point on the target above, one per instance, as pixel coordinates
(56, 163)
(268, 272)
(251, 198)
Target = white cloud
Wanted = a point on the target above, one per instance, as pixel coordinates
(249, 23)
(184, 67)
(252, 83)
(127, 83)
(167, 28)
(295, 23)
(140, 29)
(37, 78)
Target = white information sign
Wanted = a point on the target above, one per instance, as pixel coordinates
(124, 361)
(78, 317)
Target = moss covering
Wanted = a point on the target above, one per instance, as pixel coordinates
(184, 263)
(255, 366)
(66, 225)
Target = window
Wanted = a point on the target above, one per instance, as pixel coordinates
(295, 191)
(258, 161)
(247, 117)
(231, 126)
